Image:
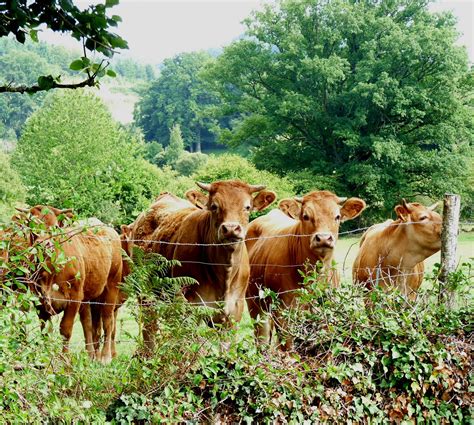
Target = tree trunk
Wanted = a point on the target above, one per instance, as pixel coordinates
(198, 140)
(449, 240)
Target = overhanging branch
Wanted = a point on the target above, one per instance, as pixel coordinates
(89, 82)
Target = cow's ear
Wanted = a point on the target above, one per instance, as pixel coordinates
(263, 200)
(62, 215)
(402, 213)
(291, 207)
(197, 198)
(352, 208)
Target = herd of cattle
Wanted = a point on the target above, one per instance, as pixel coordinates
(231, 259)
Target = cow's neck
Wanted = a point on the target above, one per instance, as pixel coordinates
(400, 246)
(225, 259)
(301, 251)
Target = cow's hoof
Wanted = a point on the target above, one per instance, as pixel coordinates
(106, 359)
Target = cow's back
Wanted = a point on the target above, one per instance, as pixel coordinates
(267, 225)
(379, 260)
(95, 259)
(163, 217)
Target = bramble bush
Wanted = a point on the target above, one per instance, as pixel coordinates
(358, 356)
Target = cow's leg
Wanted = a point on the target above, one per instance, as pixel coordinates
(86, 321)
(264, 326)
(96, 328)
(114, 333)
(234, 304)
(108, 320)
(67, 323)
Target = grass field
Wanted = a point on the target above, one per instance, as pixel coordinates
(346, 251)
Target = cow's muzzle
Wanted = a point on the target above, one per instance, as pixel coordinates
(231, 232)
(323, 241)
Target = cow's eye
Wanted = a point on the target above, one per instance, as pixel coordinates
(338, 217)
(305, 217)
(214, 207)
(247, 208)
(424, 217)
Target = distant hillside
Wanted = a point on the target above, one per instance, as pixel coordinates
(22, 64)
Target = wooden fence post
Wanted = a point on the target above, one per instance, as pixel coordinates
(449, 241)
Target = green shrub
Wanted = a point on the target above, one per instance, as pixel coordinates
(72, 154)
(229, 166)
(188, 163)
(12, 190)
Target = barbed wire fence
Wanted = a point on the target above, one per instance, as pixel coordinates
(450, 227)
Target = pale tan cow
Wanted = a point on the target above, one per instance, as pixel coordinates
(306, 231)
(391, 254)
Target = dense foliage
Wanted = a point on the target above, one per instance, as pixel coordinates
(178, 96)
(72, 154)
(373, 94)
(91, 26)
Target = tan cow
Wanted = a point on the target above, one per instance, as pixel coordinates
(48, 215)
(92, 273)
(287, 243)
(208, 239)
(127, 247)
(391, 254)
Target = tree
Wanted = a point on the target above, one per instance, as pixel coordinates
(12, 190)
(176, 146)
(91, 26)
(72, 154)
(178, 96)
(16, 64)
(372, 94)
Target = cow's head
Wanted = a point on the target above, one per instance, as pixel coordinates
(320, 214)
(230, 204)
(423, 224)
(50, 216)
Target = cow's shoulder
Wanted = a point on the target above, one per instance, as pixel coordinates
(378, 232)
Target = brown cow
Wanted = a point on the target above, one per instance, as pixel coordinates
(208, 240)
(97, 324)
(391, 254)
(92, 272)
(288, 243)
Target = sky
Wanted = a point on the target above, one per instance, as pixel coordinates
(159, 29)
